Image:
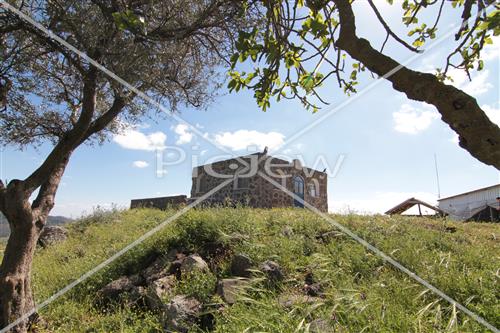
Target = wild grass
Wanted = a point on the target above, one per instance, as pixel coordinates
(362, 293)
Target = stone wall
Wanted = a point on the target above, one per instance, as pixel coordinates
(257, 191)
(159, 203)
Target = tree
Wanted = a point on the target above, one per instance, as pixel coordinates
(298, 36)
(169, 51)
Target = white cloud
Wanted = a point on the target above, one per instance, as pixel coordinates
(411, 120)
(184, 134)
(478, 84)
(136, 140)
(140, 164)
(491, 51)
(492, 113)
(242, 139)
(380, 202)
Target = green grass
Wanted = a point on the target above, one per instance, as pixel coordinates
(361, 292)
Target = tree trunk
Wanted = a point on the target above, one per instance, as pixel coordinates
(16, 298)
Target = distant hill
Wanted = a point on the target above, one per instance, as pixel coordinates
(53, 220)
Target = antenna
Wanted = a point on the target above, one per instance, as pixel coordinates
(437, 175)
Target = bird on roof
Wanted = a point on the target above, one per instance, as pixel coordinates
(265, 151)
(324, 170)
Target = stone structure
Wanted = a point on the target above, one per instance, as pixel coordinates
(248, 188)
(159, 203)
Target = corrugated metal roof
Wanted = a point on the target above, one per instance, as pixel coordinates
(473, 191)
(407, 204)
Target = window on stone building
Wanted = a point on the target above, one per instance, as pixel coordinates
(313, 188)
(202, 184)
(242, 182)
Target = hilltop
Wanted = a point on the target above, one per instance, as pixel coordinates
(355, 290)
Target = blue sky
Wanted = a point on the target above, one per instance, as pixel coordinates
(386, 141)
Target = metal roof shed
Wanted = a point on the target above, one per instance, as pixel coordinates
(407, 204)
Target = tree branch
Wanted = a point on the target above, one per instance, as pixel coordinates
(389, 31)
(477, 134)
(72, 138)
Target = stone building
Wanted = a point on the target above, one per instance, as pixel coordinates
(249, 188)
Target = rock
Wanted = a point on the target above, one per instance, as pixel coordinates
(320, 326)
(314, 289)
(311, 287)
(136, 295)
(272, 270)
(194, 263)
(326, 237)
(157, 291)
(180, 313)
(291, 300)
(287, 231)
(114, 289)
(229, 289)
(51, 235)
(451, 229)
(240, 265)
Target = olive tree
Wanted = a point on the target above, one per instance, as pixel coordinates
(169, 50)
(301, 35)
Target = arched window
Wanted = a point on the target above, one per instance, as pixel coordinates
(298, 190)
(313, 188)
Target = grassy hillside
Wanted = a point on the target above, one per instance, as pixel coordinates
(361, 293)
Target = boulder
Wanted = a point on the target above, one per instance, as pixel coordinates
(272, 270)
(194, 262)
(158, 290)
(180, 313)
(160, 267)
(241, 265)
(229, 289)
(114, 289)
(51, 235)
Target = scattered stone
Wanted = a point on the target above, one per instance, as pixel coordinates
(272, 270)
(451, 229)
(181, 313)
(51, 235)
(160, 267)
(287, 231)
(311, 287)
(241, 265)
(157, 291)
(326, 237)
(194, 263)
(114, 289)
(291, 300)
(314, 289)
(229, 289)
(237, 237)
(320, 326)
(136, 296)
